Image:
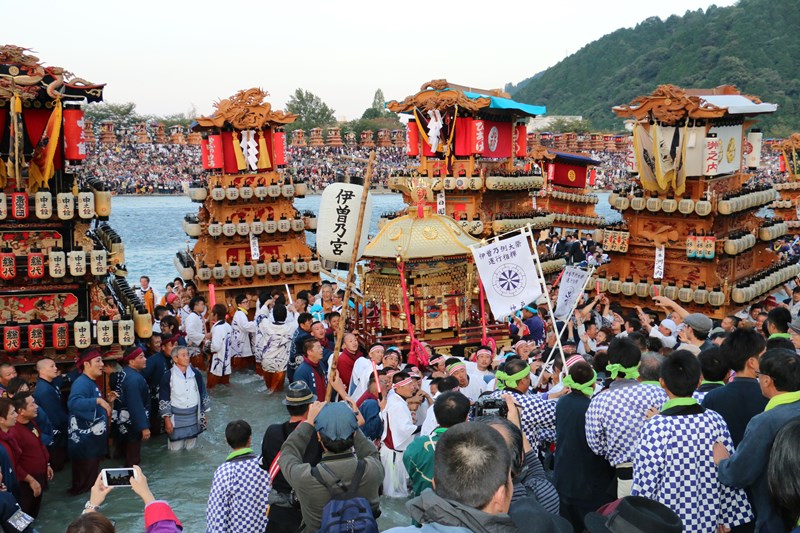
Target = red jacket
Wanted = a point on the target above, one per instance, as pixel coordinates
(34, 456)
(344, 366)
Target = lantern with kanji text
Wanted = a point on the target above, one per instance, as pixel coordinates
(86, 204)
(74, 133)
(8, 264)
(44, 204)
(11, 337)
(125, 331)
(60, 335)
(57, 262)
(36, 336)
(77, 262)
(82, 333)
(105, 331)
(35, 263)
(19, 205)
(65, 205)
(99, 261)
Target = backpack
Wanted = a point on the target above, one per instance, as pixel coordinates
(346, 511)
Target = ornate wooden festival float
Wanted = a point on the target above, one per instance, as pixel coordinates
(62, 274)
(787, 206)
(690, 230)
(249, 235)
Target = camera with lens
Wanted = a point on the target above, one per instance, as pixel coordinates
(489, 406)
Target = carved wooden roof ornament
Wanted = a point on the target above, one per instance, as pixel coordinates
(540, 153)
(792, 143)
(439, 94)
(669, 104)
(246, 110)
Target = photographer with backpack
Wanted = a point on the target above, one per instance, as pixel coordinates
(341, 492)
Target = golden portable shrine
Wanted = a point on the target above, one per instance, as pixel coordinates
(249, 235)
(690, 229)
(62, 281)
(787, 206)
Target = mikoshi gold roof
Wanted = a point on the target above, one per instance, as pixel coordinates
(411, 237)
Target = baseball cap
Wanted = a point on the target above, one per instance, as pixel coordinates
(698, 321)
(336, 421)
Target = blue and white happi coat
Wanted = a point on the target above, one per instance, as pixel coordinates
(616, 416)
(674, 465)
(239, 495)
(537, 415)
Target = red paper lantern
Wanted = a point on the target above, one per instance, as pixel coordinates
(74, 134)
(19, 205)
(279, 147)
(8, 264)
(592, 176)
(60, 334)
(551, 171)
(35, 336)
(521, 148)
(35, 264)
(782, 163)
(11, 340)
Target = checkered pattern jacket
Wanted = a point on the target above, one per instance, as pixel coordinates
(674, 465)
(537, 416)
(238, 498)
(616, 416)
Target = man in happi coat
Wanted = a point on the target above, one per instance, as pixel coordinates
(183, 402)
(674, 463)
(537, 414)
(273, 343)
(240, 490)
(131, 416)
(615, 416)
(88, 422)
(155, 368)
(222, 348)
(399, 430)
(243, 329)
(47, 394)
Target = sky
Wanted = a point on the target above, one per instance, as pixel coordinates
(171, 56)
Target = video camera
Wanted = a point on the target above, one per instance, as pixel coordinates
(489, 406)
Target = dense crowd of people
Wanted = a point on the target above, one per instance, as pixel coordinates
(660, 418)
(318, 167)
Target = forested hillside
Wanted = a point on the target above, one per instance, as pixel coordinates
(754, 45)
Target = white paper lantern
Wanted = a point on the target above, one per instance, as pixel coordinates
(753, 159)
(105, 331)
(82, 333)
(712, 156)
(338, 217)
(3, 206)
(57, 263)
(65, 205)
(44, 204)
(77, 262)
(125, 331)
(98, 262)
(86, 205)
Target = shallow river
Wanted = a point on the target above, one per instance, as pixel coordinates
(151, 230)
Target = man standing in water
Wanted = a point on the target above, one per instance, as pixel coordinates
(88, 422)
(183, 402)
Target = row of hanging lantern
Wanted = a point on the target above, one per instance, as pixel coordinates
(142, 320)
(111, 241)
(275, 267)
(59, 263)
(243, 228)
(645, 288)
(198, 192)
(87, 205)
(574, 197)
(765, 281)
(102, 331)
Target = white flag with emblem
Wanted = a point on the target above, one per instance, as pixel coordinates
(572, 285)
(508, 273)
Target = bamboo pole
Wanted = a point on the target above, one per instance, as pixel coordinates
(350, 275)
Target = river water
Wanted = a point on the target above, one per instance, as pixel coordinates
(151, 230)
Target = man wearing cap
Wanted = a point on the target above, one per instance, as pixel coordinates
(665, 331)
(794, 333)
(183, 402)
(285, 515)
(362, 370)
(471, 387)
(344, 448)
(694, 335)
(634, 514)
(131, 414)
(398, 432)
(529, 327)
(240, 489)
(615, 416)
(88, 422)
(672, 464)
(537, 413)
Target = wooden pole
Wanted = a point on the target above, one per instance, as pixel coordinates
(350, 275)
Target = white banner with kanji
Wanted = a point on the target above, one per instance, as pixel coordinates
(508, 274)
(572, 285)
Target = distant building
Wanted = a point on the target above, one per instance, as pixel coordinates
(542, 123)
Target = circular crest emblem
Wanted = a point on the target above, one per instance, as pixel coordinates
(494, 136)
(509, 280)
(748, 147)
(571, 175)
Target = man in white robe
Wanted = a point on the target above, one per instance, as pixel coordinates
(399, 430)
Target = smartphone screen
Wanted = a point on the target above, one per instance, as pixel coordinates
(118, 477)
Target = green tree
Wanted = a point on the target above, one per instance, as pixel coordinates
(563, 125)
(314, 113)
(378, 108)
(121, 114)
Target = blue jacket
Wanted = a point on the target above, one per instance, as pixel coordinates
(306, 373)
(48, 397)
(88, 422)
(132, 407)
(747, 467)
(738, 402)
